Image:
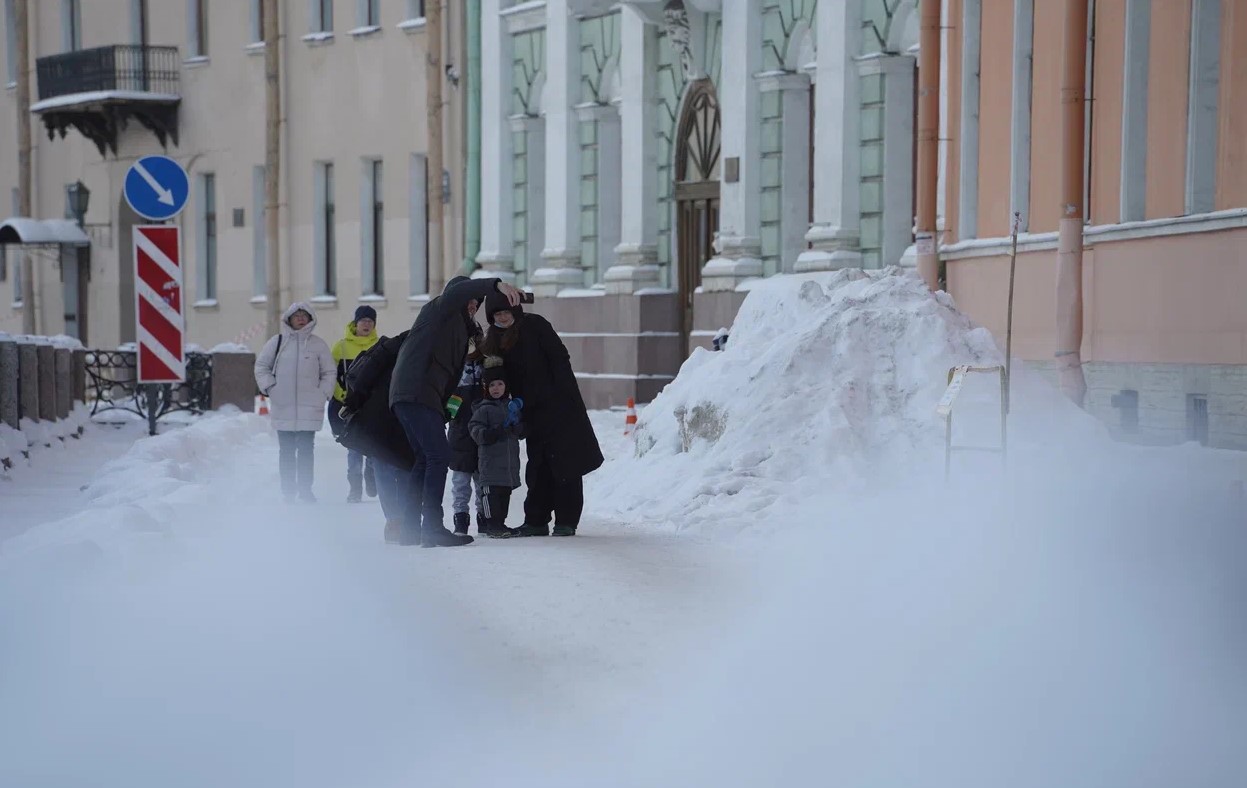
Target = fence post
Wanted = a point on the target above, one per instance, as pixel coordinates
(8, 382)
(63, 360)
(28, 381)
(47, 382)
(79, 375)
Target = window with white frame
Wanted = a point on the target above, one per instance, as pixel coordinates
(257, 21)
(197, 28)
(138, 21)
(324, 225)
(1020, 142)
(418, 222)
(259, 235)
(1203, 106)
(1138, 37)
(71, 25)
(10, 41)
(207, 237)
(372, 229)
(415, 9)
(322, 16)
(369, 13)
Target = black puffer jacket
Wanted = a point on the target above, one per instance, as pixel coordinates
(539, 371)
(431, 360)
(372, 429)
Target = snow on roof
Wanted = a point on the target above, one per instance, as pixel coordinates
(24, 230)
(102, 96)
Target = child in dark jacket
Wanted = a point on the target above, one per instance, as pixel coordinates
(497, 428)
(463, 462)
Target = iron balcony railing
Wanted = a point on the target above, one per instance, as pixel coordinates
(128, 67)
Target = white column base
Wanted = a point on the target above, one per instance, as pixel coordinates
(834, 249)
(910, 258)
(724, 274)
(561, 272)
(495, 266)
(636, 269)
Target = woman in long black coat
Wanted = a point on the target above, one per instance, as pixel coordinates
(562, 448)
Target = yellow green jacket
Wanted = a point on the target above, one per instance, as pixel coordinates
(345, 350)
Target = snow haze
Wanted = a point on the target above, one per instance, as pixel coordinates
(782, 592)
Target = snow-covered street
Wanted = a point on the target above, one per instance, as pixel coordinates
(779, 589)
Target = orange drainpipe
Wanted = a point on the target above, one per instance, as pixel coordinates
(928, 140)
(1069, 305)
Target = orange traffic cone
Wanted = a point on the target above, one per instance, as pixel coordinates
(630, 419)
(263, 409)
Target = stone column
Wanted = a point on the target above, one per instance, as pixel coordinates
(233, 380)
(80, 376)
(739, 245)
(8, 382)
(560, 259)
(837, 154)
(28, 380)
(636, 255)
(63, 361)
(605, 118)
(794, 90)
(897, 73)
(47, 382)
(495, 256)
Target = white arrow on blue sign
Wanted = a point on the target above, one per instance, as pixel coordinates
(157, 188)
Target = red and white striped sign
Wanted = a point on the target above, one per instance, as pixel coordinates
(158, 303)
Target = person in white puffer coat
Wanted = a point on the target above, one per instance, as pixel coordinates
(295, 370)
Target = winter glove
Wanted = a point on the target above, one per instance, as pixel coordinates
(453, 404)
(513, 411)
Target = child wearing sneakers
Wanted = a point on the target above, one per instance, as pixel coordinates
(497, 428)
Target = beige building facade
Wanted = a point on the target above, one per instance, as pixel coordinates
(1165, 263)
(353, 164)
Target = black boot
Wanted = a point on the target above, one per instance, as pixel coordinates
(564, 530)
(440, 537)
(357, 485)
(370, 482)
(461, 523)
(528, 529)
(482, 523)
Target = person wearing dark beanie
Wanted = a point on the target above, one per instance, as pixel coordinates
(365, 312)
(361, 334)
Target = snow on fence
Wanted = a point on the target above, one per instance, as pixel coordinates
(42, 394)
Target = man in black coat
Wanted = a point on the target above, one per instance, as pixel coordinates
(562, 447)
(425, 375)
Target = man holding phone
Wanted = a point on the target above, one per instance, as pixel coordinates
(425, 375)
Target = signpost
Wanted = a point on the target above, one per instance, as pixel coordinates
(156, 187)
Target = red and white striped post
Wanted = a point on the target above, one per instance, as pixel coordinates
(158, 310)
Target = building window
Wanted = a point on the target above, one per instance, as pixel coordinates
(322, 16)
(326, 279)
(1020, 144)
(257, 21)
(369, 13)
(71, 25)
(372, 229)
(259, 234)
(138, 21)
(207, 236)
(1134, 114)
(1197, 418)
(415, 9)
(1202, 106)
(197, 34)
(418, 222)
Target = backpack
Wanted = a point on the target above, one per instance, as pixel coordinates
(369, 367)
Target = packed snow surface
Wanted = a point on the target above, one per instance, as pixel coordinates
(796, 599)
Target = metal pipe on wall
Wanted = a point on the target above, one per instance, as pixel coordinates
(928, 140)
(1069, 291)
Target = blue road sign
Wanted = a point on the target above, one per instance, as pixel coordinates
(157, 188)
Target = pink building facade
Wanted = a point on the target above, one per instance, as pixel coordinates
(1165, 266)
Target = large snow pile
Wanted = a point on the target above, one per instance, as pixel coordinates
(829, 379)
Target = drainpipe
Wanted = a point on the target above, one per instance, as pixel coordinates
(928, 140)
(1069, 306)
(24, 178)
(433, 103)
(472, 218)
(272, 166)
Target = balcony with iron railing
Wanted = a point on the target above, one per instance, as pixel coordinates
(98, 91)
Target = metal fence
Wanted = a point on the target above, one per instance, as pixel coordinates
(146, 69)
(112, 384)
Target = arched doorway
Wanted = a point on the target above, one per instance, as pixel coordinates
(696, 191)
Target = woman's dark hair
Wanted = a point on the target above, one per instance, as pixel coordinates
(499, 341)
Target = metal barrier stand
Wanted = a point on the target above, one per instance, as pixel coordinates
(956, 377)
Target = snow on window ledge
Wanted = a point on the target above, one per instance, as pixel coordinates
(197, 61)
(374, 299)
(319, 39)
(365, 31)
(413, 25)
(10, 86)
(419, 300)
(206, 305)
(327, 301)
(18, 305)
(259, 300)
(255, 48)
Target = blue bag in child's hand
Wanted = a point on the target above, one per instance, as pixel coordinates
(513, 411)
